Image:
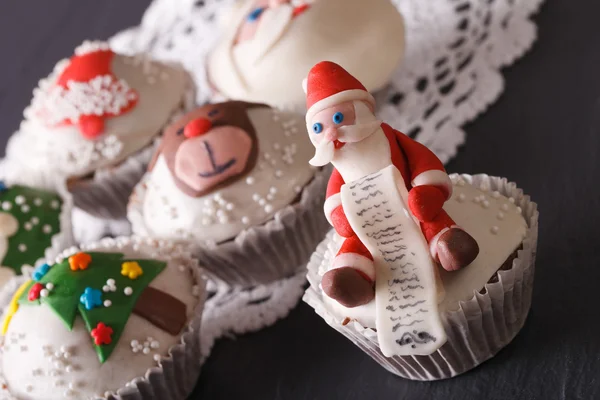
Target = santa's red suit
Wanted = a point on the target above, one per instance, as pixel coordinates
(425, 178)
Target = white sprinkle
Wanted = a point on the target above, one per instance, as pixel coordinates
(113, 288)
(268, 208)
(106, 288)
(461, 197)
(273, 189)
(250, 180)
(28, 226)
(128, 291)
(20, 200)
(267, 156)
(135, 349)
(154, 344)
(44, 292)
(111, 282)
(500, 216)
(245, 220)
(22, 248)
(270, 197)
(69, 369)
(495, 230)
(47, 229)
(135, 343)
(298, 189)
(25, 209)
(229, 206)
(146, 350)
(505, 207)
(49, 285)
(156, 357)
(278, 173)
(37, 202)
(55, 204)
(59, 364)
(255, 197)
(486, 204)
(107, 303)
(35, 220)
(66, 355)
(262, 202)
(6, 206)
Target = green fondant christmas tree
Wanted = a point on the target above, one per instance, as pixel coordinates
(37, 213)
(103, 288)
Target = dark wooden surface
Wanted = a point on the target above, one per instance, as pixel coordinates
(544, 133)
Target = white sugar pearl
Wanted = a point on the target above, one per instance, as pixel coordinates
(146, 350)
(135, 343)
(107, 303)
(37, 202)
(113, 288)
(35, 220)
(20, 200)
(486, 204)
(461, 197)
(512, 200)
(262, 202)
(128, 291)
(110, 282)
(500, 216)
(505, 207)
(106, 288)
(250, 180)
(495, 229)
(47, 229)
(49, 285)
(22, 248)
(273, 190)
(156, 357)
(245, 220)
(66, 355)
(6, 206)
(154, 344)
(229, 206)
(68, 369)
(44, 292)
(25, 209)
(268, 208)
(28, 226)
(278, 173)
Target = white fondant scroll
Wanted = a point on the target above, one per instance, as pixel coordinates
(407, 317)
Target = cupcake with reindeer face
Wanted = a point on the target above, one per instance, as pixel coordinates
(93, 122)
(232, 180)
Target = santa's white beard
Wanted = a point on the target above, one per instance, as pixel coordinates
(323, 154)
(325, 150)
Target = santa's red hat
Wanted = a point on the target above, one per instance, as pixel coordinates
(328, 84)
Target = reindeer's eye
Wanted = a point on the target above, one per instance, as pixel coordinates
(214, 112)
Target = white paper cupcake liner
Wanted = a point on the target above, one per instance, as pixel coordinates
(14, 175)
(478, 329)
(177, 373)
(262, 254)
(106, 194)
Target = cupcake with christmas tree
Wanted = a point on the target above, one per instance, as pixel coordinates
(93, 121)
(115, 319)
(35, 222)
(410, 245)
(232, 180)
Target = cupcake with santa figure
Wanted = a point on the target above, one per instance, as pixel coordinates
(411, 245)
(232, 181)
(93, 121)
(268, 46)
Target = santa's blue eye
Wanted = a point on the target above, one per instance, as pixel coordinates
(255, 14)
(318, 127)
(338, 118)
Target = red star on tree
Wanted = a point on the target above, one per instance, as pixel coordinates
(102, 334)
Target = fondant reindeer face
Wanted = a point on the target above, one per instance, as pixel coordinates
(8, 227)
(210, 147)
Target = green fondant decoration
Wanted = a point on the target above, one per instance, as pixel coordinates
(69, 285)
(36, 240)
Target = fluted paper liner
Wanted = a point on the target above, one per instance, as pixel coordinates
(22, 176)
(478, 329)
(261, 254)
(177, 373)
(106, 194)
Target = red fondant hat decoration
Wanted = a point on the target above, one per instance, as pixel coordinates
(86, 92)
(329, 84)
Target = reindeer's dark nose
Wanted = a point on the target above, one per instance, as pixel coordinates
(197, 127)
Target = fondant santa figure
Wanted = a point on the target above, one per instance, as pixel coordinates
(345, 131)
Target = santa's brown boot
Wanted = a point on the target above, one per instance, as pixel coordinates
(456, 249)
(348, 287)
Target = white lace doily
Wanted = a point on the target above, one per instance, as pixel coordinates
(451, 73)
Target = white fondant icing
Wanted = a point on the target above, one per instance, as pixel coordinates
(493, 250)
(219, 216)
(434, 177)
(366, 37)
(331, 204)
(65, 151)
(38, 343)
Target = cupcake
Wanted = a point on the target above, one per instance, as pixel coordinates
(116, 319)
(35, 222)
(409, 246)
(482, 306)
(93, 122)
(268, 46)
(232, 180)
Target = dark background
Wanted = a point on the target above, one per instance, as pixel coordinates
(543, 133)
